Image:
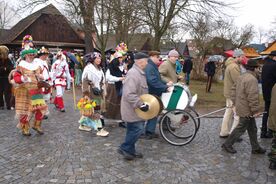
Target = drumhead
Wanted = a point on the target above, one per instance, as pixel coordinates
(176, 99)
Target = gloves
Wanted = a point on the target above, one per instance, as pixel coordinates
(144, 107)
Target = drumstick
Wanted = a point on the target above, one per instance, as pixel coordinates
(74, 94)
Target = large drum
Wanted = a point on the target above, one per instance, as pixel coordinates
(178, 98)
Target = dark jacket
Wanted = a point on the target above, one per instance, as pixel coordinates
(210, 68)
(188, 66)
(155, 84)
(6, 67)
(268, 78)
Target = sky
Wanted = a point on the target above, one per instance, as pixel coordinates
(255, 12)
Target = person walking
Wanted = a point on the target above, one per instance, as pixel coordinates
(268, 78)
(167, 69)
(156, 87)
(61, 77)
(245, 98)
(272, 127)
(135, 85)
(210, 69)
(232, 73)
(187, 68)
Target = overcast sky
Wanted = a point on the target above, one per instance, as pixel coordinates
(260, 13)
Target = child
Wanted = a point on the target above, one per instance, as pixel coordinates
(89, 119)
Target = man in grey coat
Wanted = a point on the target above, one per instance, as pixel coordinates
(134, 85)
(245, 97)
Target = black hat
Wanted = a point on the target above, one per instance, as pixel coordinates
(140, 55)
(273, 53)
(252, 63)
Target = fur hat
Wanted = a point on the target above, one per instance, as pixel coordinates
(4, 51)
(173, 53)
(238, 53)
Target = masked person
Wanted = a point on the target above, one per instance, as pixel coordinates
(245, 98)
(28, 97)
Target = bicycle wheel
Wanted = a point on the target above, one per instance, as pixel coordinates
(193, 112)
(178, 127)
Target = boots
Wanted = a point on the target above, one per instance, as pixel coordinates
(37, 127)
(266, 134)
(25, 129)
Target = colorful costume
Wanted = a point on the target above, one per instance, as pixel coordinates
(61, 75)
(42, 62)
(28, 97)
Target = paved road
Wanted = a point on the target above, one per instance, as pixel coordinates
(66, 155)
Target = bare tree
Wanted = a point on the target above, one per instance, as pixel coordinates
(271, 35)
(158, 14)
(7, 14)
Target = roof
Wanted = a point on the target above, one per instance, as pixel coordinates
(270, 48)
(258, 47)
(26, 22)
(136, 42)
(250, 52)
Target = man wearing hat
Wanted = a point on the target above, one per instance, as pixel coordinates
(268, 80)
(168, 68)
(156, 87)
(42, 62)
(231, 75)
(245, 97)
(134, 85)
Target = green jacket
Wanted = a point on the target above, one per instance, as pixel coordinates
(168, 72)
(272, 110)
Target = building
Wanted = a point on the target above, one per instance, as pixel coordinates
(48, 28)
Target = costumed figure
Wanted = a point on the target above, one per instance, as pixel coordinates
(43, 63)
(89, 119)
(61, 76)
(93, 80)
(114, 77)
(28, 97)
(5, 68)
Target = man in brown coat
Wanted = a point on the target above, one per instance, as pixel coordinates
(134, 85)
(168, 68)
(232, 73)
(245, 97)
(272, 126)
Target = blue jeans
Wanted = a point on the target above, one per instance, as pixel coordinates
(150, 126)
(133, 132)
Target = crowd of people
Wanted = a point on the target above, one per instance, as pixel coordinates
(112, 90)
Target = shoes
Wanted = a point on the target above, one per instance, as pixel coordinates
(138, 155)
(8, 108)
(62, 110)
(272, 165)
(258, 151)
(229, 149)
(1, 108)
(126, 155)
(266, 134)
(102, 133)
(239, 140)
(45, 117)
(122, 124)
(223, 136)
(84, 128)
(269, 134)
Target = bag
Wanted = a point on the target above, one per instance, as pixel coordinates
(97, 91)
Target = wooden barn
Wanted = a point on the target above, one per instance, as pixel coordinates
(48, 28)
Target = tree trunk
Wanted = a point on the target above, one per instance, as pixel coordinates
(156, 44)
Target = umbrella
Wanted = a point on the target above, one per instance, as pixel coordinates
(72, 58)
(215, 58)
(229, 53)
